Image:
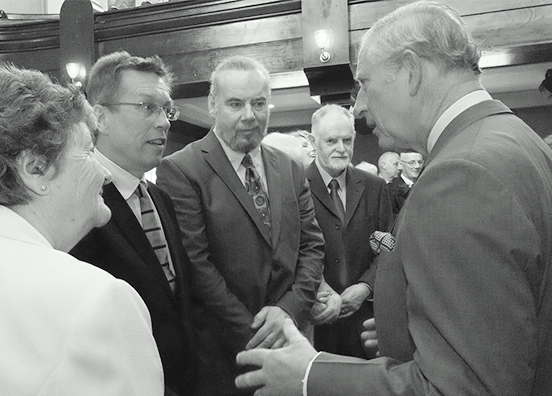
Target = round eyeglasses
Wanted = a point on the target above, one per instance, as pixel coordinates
(147, 109)
(413, 163)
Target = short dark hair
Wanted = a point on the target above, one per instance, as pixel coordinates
(104, 80)
(36, 116)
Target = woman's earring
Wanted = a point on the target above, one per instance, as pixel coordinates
(43, 188)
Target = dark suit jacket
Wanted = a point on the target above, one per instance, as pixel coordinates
(464, 301)
(399, 190)
(122, 249)
(237, 267)
(368, 208)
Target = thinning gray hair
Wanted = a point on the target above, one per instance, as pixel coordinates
(432, 30)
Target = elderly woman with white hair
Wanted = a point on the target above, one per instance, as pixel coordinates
(67, 328)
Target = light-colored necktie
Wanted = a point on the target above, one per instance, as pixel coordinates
(154, 232)
(255, 189)
(334, 186)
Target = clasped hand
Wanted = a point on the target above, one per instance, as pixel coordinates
(326, 308)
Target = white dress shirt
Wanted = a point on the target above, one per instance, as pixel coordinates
(127, 184)
(236, 158)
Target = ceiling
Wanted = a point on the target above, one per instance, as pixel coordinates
(516, 86)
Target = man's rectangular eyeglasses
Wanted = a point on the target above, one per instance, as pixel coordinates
(148, 109)
(413, 162)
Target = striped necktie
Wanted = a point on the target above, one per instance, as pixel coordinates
(154, 232)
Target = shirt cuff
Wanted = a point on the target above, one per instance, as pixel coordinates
(370, 291)
(306, 377)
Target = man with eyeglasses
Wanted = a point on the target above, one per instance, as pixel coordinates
(247, 220)
(141, 243)
(412, 164)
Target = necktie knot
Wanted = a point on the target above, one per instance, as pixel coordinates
(334, 185)
(247, 162)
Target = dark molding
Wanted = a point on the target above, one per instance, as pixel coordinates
(191, 90)
(520, 55)
(33, 35)
(330, 80)
(172, 16)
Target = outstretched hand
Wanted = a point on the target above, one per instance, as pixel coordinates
(268, 323)
(281, 370)
(370, 337)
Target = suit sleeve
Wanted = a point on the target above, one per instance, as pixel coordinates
(209, 284)
(384, 223)
(310, 263)
(466, 246)
(111, 350)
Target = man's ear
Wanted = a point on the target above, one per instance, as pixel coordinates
(99, 111)
(212, 105)
(413, 64)
(34, 172)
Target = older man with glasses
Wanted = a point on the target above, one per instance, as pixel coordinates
(412, 164)
(141, 243)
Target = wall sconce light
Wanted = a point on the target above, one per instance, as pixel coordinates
(323, 39)
(75, 70)
(546, 86)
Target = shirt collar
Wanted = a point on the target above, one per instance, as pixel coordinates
(125, 181)
(327, 178)
(408, 182)
(452, 112)
(236, 157)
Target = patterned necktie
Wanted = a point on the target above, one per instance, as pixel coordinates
(154, 232)
(254, 188)
(334, 186)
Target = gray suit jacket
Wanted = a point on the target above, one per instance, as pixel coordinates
(238, 268)
(463, 304)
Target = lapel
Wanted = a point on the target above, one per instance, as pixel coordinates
(216, 157)
(274, 178)
(124, 220)
(319, 189)
(463, 120)
(355, 189)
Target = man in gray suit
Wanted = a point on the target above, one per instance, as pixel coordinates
(247, 222)
(463, 304)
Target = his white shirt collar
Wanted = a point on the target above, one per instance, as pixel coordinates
(327, 178)
(125, 181)
(452, 112)
(236, 157)
(408, 182)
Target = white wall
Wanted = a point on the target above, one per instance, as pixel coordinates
(23, 6)
(37, 6)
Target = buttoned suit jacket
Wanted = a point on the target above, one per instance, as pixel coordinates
(367, 209)
(399, 191)
(463, 303)
(122, 249)
(238, 267)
